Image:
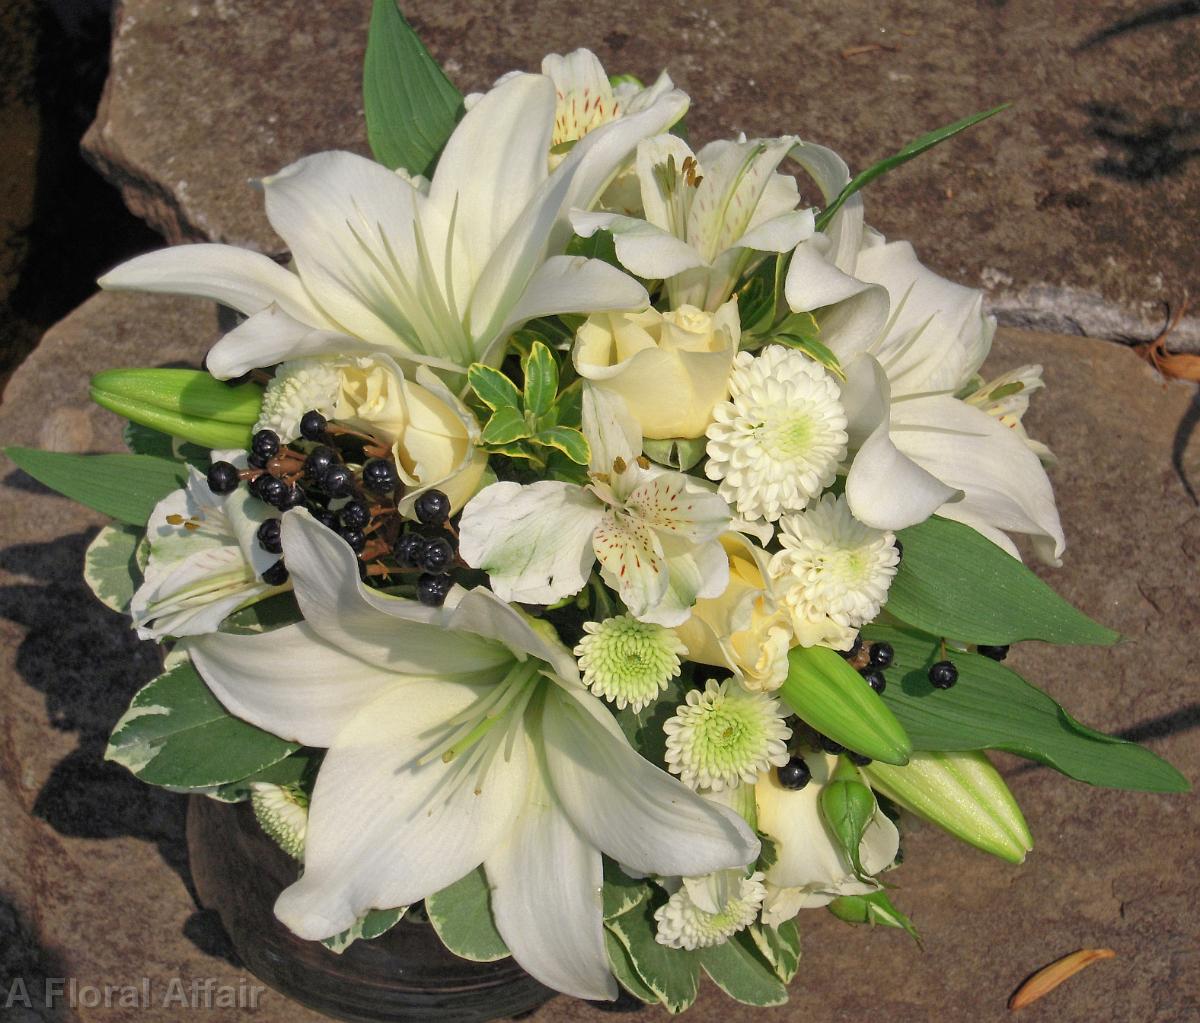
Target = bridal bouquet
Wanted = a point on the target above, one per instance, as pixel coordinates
(586, 537)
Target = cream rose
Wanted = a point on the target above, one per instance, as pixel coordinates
(670, 368)
(743, 629)
(431, 433)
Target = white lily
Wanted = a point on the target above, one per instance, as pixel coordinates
(811, 869)
(205, 560)
(908, 341)
(706, 215)
(457, 736)
(440, 276)
(656, 533)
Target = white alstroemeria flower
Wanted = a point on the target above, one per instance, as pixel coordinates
(810, 869)
(440, 277)
(655, 532)
(205, 559)
(908, 341)
(457, 736)
(706, 215)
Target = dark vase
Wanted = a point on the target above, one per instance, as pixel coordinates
(405, 974)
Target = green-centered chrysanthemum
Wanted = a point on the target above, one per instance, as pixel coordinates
(685, 923)
(282, 812)
(627, 661)
(725, 735)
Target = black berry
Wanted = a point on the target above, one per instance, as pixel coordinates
(318, 462)
(875, 678)
(355, 515)
(408, 549)
(222, 477)
(996, 653)
(855, 647)
(312, 425)
(858, 759)
(355, 538)
(436, 555)
(794, 774)
(379, 477)
(831, 746)
(265, 443)
(432, 590)
(327, 518)
(338, 481)
(256, 461)
(432, 507)
(271, 489)
(943, 675)
(276, 575)
(268, 537)
(882, 655)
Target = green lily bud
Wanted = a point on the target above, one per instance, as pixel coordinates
(847, 806)
(875, 909)
(962, 793)
(827, 693)
(184, 403)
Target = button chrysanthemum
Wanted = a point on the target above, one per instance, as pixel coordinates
(778, 441)
(298, 387)
(684, 924)
(833, 565)
(282, 811)
(627, 661)
(725, 735)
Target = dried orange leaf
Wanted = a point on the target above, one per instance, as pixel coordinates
(1172, 365)
(1049, 977)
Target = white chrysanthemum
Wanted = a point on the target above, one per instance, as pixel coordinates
(299, 386)
(778, 441)
(282, 812)
(834, 566)
(627, 661)
(685, 923)
(725, 735)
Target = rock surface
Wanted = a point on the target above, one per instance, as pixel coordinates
(1070, 209)
(94, 882)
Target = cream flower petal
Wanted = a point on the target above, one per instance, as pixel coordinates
(631, 562)
(243, 280)
(627, 807)
(386, 830)
(272, 336)
(544, 879)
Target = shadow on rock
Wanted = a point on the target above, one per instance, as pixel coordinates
(1163, 14)
(1147, 150)
(88, 664)
(24, 968)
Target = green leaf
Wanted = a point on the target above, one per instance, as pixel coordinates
(142, 440)
(176, 734)
(110, 566)
(913, 149)
(298, 768)
(601, 245)
(622, 968)
(568, 407)
(126, 487)
(827, 693)
(541, 380)
(780, 946)
(955, 583)
(462, 917)
(375, 923)
(847, 807)
(410, 104)
(737, 969)
(494, 389)
(992, 707)
(276, 611)
(875, 909)
(677, 452)
(621, 893)
(570, 442)
(506, 425)
(672, 974)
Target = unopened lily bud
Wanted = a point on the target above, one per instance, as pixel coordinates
(828, 694)
(962, 793)
(185, 403)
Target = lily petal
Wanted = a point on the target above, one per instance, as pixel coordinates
(544, 881)
(855, 312)
(627, 807)
(385, 830)
(642, 247)
(271, 336)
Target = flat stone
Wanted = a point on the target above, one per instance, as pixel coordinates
(94, 881)
(1074, 210)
